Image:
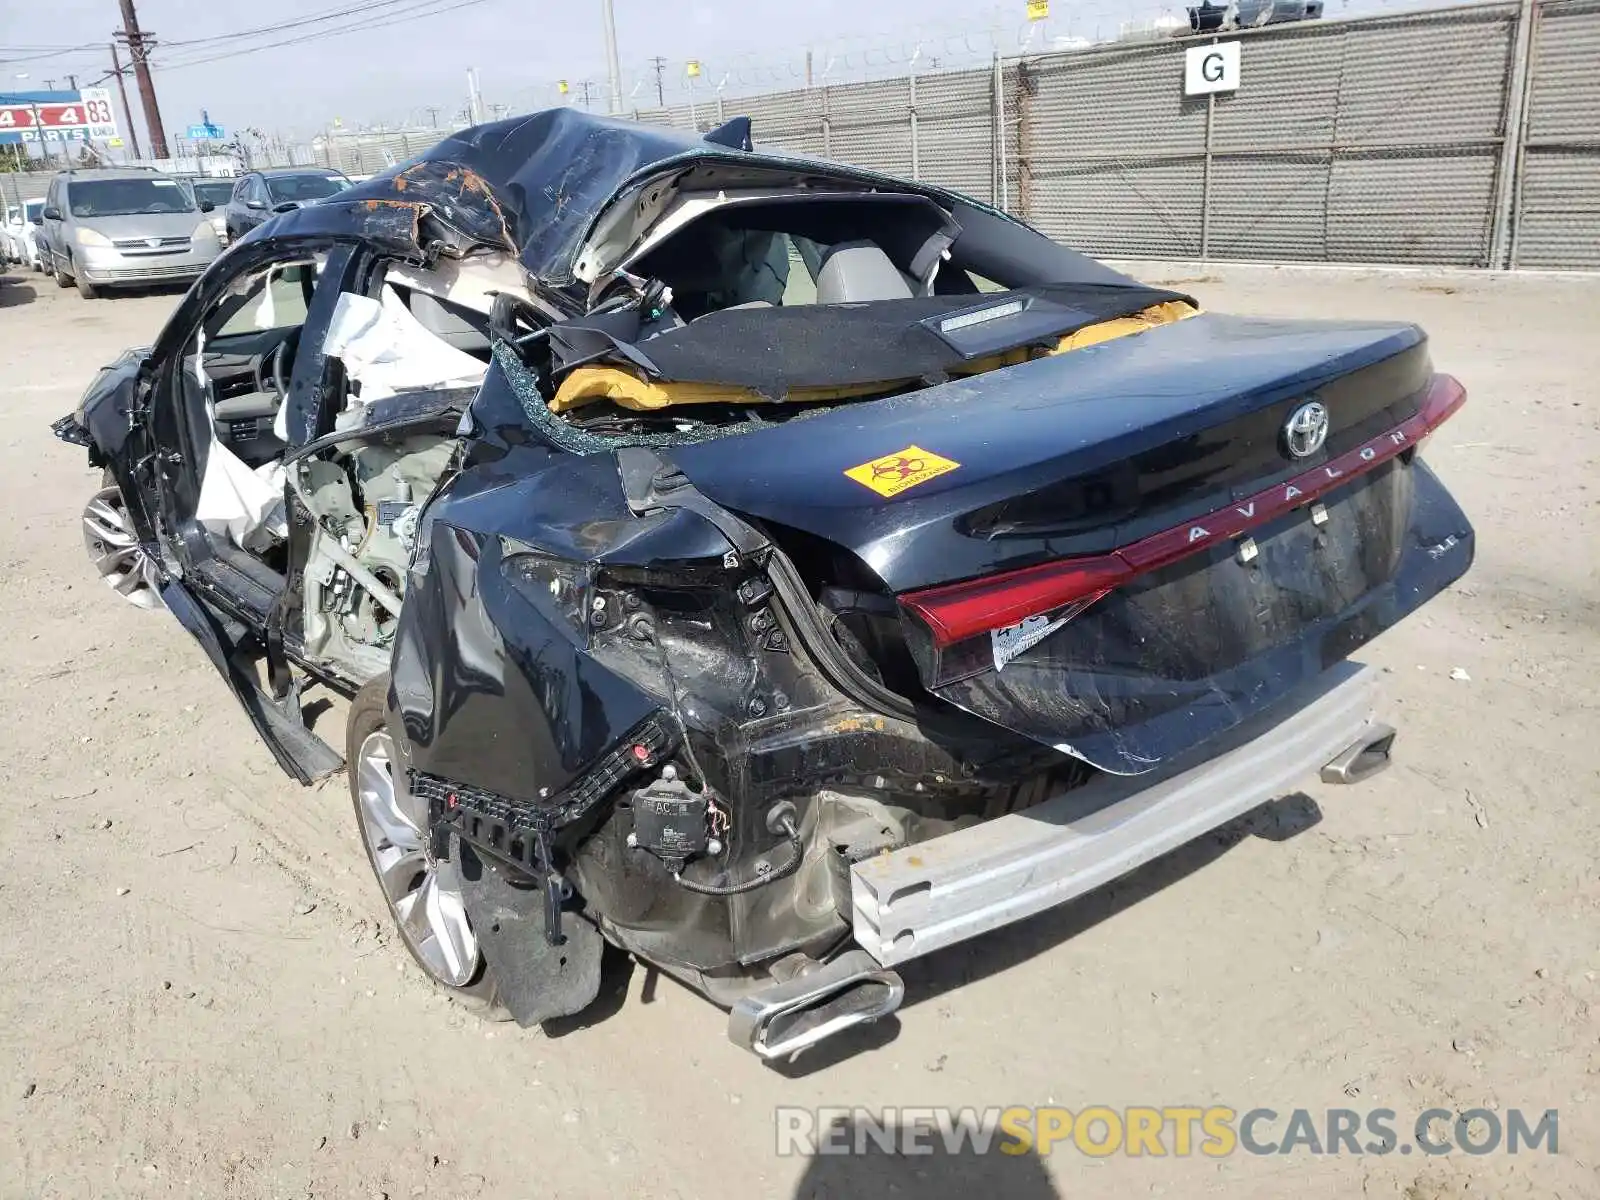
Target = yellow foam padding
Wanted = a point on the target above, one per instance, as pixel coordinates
(1157, 314)
(626, 389)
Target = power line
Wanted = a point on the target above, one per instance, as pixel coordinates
(312, 19)
(360, 27)
(63, 53)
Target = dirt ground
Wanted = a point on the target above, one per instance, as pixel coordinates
(199, 996)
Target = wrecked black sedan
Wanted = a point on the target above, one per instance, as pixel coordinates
(775, 569)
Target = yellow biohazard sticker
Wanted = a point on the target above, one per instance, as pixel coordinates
(894, 473)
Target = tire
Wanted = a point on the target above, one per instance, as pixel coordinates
(87, 290)
(113, 547)
(392, 836)
(63, 280)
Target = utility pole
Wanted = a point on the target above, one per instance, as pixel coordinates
(585, 85)
(122, 89)
(138, 50)
(49, 85)
(660, 65)
(474, 99)
(38, 132)
(433, 115)
(608, 14)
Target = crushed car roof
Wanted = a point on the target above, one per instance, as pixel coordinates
(529, 184)
(535, 184)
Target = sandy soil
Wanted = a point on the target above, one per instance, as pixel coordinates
(198, 995)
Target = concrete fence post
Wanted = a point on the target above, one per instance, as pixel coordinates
(911, 104)
(1001, 194)
(1513, 136)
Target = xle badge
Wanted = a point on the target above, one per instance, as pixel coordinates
(894, 473)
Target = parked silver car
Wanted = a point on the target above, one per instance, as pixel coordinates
(108, 227)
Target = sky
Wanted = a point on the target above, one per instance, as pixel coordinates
(412, 54)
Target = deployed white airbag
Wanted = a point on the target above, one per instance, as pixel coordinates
(244, 505)
(388, 350)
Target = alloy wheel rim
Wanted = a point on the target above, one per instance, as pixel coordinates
(114, 549)
(424, 892)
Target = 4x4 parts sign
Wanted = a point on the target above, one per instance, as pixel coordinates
(59, 116)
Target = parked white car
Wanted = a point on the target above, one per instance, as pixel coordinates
(11, 234)
(19, 238)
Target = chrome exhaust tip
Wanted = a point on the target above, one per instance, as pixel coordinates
(1363, 758)
(786, 1018)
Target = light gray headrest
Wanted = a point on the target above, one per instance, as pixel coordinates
(853, 271)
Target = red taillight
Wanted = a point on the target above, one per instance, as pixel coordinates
(954, 612)
(1445, 395)
(958, 611)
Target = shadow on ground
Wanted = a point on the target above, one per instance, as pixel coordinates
(884, 1161)
(15, 292)
(926, 979)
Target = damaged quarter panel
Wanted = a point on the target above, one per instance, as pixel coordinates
(491, 671)
(545, 620)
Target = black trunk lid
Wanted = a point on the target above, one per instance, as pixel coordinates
(1124, 551)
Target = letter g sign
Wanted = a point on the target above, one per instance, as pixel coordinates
(1208, 69)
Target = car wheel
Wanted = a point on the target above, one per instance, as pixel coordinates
(87, 290)
(113, 547)
(423, 893)
(63, 280)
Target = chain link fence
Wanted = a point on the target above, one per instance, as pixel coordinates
(369, 153)
(1466, 137)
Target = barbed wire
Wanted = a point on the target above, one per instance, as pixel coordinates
(928, 48)
(924, 48)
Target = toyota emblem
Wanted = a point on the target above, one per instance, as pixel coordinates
(152, 242)
(1306, 429)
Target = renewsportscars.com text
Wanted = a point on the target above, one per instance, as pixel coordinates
(1100, 1131)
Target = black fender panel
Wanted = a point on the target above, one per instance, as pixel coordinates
(490, 690)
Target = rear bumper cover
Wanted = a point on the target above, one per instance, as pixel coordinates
(931, 895)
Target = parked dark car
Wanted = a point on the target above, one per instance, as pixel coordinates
(215, 191)
(260, 195)
(775, 569)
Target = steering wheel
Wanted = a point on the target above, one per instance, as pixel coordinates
(279, 360)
